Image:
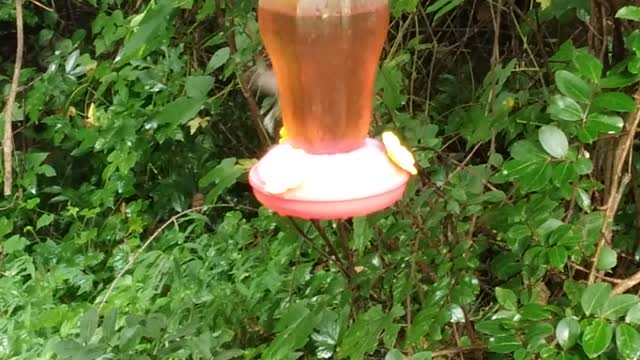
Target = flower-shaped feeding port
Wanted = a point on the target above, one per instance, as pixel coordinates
(325, 55)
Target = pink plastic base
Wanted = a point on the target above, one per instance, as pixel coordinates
(339, 186)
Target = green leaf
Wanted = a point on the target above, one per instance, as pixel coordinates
(588, 65)
(14, 244)
(424, 355)
(219, 58)
(619, 80)
(618, 305)
(504, 344)
(154, 20)
(109, 324)
(535, 312)
(608, 258)
(614, 101)
(507, 298)
(605, 123)
(180, 111)
(568, 332)
(583, 166)
(628, 341)
(88, 325)
(597, 338)
(633, 315)
(572, 86)
(44, 220)
(583, 199)
(294, 329)
(558, 256)
(595, 297)
(198, 86)
(554, 141)
(629, 13)
(565, 108)
(394, 354)
(362, 233)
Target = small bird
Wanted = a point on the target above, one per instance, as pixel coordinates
(263, 81)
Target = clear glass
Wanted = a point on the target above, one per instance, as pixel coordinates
(325, 55)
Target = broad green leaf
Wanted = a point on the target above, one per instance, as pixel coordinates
(44, 220)
(198, 86)
(619, 80)
(608, 258)
(565, 108)
(605, 123)
(504, 344)
(558, 256)
(588, 65)
(628, 341)
(153, 20)
(633, 315)
(614, 101)
(583, 199)
(597, 338)
(536, 333)
(564, 173)
(219, 58)
(14, 244)
(507, 298)
(394, 354)
(554, 141)
(88, 325)
(618, 305)
(629, 13)
(573, 86)
(535, 312)
(568, 332)
(595, 297)
(180, 111)
(583, 166)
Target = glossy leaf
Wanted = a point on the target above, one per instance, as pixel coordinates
(573, 86)
(597, 338)
(608, 258)
(588, 65)
(554, 141)
(633, 315)
(568, 332)
(628, 341)
(629, 13)
(595, 297)
(507, 298)
(618, 305)
(565, 108)
(558, 256)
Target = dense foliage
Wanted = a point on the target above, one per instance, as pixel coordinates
(131, 232)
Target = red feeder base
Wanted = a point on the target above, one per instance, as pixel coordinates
(294, 183)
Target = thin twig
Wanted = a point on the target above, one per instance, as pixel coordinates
(7, 142)
(622, 153)
(309, 241)
(456, 350)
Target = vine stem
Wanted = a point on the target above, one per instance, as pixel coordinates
(7, 142)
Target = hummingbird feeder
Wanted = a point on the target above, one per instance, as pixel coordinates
(325, 55)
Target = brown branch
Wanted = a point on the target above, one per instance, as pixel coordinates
(253, 105)
(622, 153)
(456, 350)
(7, 142)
